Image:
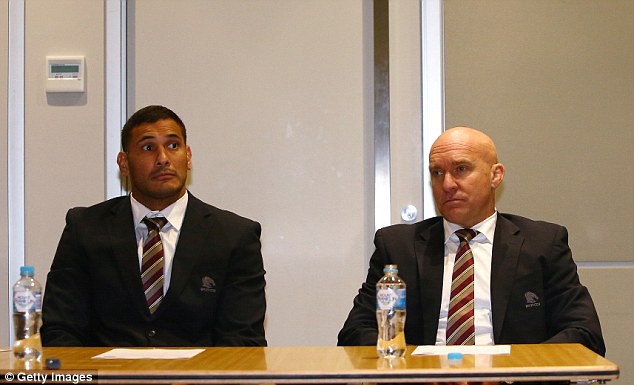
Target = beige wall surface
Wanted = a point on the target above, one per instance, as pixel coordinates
(552, 83)
(406, 151)
(64, 133)
(611, 288)
(4, 245)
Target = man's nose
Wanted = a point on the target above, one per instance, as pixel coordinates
(448, 182)
(161, 157)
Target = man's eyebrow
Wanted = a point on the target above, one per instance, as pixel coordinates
(146, 137)
(462, 161)
(452, 162)
(150, 137)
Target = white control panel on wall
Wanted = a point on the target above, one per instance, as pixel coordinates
(65, 74)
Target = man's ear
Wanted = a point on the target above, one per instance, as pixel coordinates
(122, 161)
(497, 174)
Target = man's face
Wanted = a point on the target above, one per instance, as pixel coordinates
(157, 163)
(464, 177)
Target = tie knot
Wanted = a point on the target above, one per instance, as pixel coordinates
(466, 234)
(155, 223)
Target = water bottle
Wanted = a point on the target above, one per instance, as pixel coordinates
(390, 314)
(27, 313)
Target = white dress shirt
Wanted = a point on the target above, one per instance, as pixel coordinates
(482, 249)
(174, 213)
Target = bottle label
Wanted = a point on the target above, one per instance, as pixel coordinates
(24, 301)
(389, 298)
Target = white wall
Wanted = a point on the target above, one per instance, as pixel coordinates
(405, 108)
(64, 133)
(4, 245)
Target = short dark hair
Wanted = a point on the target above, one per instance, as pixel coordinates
(149, 114)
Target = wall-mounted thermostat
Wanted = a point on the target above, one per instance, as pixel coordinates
(65, 74)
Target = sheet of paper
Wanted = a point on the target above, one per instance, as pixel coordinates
(464, 349)
(136, 354)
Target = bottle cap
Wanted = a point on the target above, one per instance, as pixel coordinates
(390, 269)
(454, 356)
(27, 270)
(53, 363)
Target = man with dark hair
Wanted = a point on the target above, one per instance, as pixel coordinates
(158, 267)
(149, 114)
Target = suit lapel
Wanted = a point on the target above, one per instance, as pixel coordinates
(430, 255)
(193, 241)
(121, 231)
(506, 250)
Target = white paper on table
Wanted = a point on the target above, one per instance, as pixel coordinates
(135, 354)
(442, 350)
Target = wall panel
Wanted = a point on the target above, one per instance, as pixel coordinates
(64, 133)
(405, 108)
(278, 107)
(551, 81)
(611, 288)
(4, 247)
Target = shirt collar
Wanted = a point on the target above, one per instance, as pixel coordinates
(175, 213)
(485, 229)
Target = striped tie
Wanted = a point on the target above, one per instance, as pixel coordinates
(460, 327)
(152, 262)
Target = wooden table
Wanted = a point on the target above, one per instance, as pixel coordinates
(326, 365)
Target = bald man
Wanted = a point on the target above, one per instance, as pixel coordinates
(526, 287)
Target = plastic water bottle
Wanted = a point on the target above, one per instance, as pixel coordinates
(27, 313)
(390, 314)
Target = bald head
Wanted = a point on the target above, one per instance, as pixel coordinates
(465, 172)
(469, 139)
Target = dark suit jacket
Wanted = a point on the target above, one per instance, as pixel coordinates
(94, 294)
(536, 296)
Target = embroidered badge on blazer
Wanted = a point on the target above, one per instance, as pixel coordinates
(532, 300)
(208, 285)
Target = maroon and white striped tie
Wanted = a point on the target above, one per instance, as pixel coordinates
(152, 262)
(460, 327)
